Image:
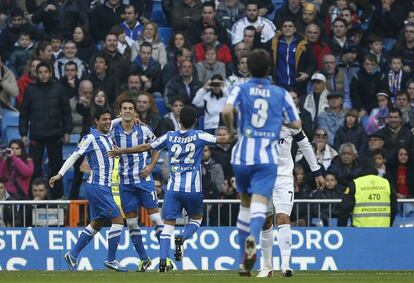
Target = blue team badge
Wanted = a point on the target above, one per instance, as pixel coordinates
(175, 169)
(248, 132)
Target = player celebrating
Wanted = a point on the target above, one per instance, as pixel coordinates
(136, 183)
(262, 108)
(102, 206)
(283, 195)
(184, 189)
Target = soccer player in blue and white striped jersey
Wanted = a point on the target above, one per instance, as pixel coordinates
(262, 108)
(136, 183)
(102, 206)
(184, 189)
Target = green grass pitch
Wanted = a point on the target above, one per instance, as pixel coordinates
(202, 276)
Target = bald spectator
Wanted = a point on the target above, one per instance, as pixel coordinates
(85, 93)
(319, 47)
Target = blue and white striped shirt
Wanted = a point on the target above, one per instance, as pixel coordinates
(262, 108)
(185, 149)
(95, 146)
(131, 165)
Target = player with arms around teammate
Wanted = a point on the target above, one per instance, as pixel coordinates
(102, 206)
(283, 196)
(184, 190)
(262, 109)
(136, 183)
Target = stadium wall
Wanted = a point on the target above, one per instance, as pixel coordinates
(215, 248)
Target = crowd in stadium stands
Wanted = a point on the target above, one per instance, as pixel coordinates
(348, 64)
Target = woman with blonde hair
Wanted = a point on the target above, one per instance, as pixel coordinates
(150, 34)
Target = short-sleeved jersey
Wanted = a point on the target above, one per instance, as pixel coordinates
(262, 108)
(95, 146)
(185, 150)
(131, 165)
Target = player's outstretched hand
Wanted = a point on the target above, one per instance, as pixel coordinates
(115, 152)
(54, 179)
(146, 171)
(320, 182)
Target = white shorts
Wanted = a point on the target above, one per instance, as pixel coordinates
(282, 196)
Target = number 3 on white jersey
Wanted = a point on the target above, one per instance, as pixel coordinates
(259, 119)
(176, 149)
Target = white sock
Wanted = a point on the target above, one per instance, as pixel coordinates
(266, 244)
(243, 219)
(257, 209)
(285, 244)
(157, 222)
(132, 224)
(92, 232)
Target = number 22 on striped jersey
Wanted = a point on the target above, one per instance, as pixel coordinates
(177, 149)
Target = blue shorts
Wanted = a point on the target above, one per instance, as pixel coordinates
(101, 202)
(255, 179)
(135, 196)
(174, 202)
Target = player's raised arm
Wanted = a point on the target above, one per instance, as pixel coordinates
(228, 110)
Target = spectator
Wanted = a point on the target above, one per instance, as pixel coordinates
(70, 81)
(10, 34)
(99, 100)
(317, 100)
(8, 86)
(221, 153)
(379, 115)
(291, 10)
(210, 67)
(177, 42)
(309, 16)
(184, 85)
(240, 50)
(16, 169)
(265, 7)
(292, 56)
(339, 39)
(402, 103)
(319, 47)
(375, 143)
(100, 77)
(401, 177)
(22, 52)
(148, 68)
(347, 62)
(250, 36)
(104, 17)
(69, 54)
(213, 170)
(211, 98)
(240, 75)
(119, 64)
(84, 43)
(122, 45)
(345, 165)
(209, 38)
(397, 78)
(43, 51)
(388, 20)
(158, 187)
(148, 113)
(351, 132)
(40, 189)
(229, 12)
(405, 48)
(330, 191)
(366, 83)
(172, 119)
(4, 195)
(324, 152)
(173, 66)
(266, 27)
(229, 212)
(134, 88)
(376, 48)
(150, 34)
(336, 80)
(396, 134)
(49, 126)
(25, 80)
(332, 118)
(184, 15)
(208, 18)
(302, 190)
(380, 164)
(83, 95)
(131, 25)
(56, 41)
(60, 16)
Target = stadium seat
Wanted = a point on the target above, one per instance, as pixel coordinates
(162, 109)
(165, 34)
(158, 18)
(10, 118)
(67, 182)
(74, 138)
(11, 133)
(278, 3)
(68, 149)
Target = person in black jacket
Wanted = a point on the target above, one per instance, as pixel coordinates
(47, 116)
(60, 17)
(351, 132)
(104, 17)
